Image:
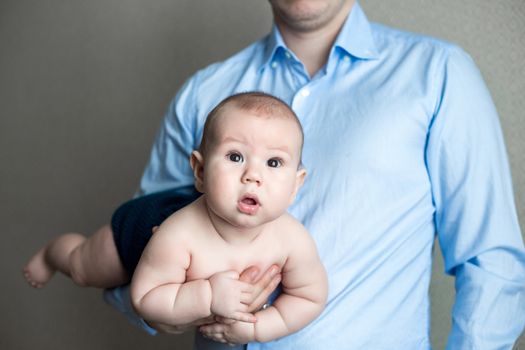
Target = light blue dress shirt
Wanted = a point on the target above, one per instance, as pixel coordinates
(402, 145)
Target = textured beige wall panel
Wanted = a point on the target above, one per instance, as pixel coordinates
(83, 87)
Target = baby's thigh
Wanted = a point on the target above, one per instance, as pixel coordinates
(98, 261)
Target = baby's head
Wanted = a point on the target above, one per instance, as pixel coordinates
(257, 104)
(249, 162)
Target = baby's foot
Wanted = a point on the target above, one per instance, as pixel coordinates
(37, 271)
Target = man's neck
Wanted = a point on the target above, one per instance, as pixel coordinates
(313, 47)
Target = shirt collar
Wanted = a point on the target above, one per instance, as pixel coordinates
(355, 38)
(274, 44)
(356, 35)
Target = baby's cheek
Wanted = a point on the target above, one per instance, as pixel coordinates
(281, 200)
(216, 177)
(218, 187)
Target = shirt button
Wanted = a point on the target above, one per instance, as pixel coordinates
(287, 54)
(274, 64)
(346, 59)
(305, 92)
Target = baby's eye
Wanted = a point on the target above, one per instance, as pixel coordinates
(274, 163)
(235, 157)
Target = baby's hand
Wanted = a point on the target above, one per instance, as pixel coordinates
(230, 297)
(233, 333)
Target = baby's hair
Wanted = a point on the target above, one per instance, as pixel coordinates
(259, 103)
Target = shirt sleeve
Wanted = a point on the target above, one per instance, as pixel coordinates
(168, 166)
(475, 216)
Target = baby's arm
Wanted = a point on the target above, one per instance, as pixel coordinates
(161, 294)
(305, 288)
(158, 289)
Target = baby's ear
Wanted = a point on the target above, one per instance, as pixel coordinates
(197, 164)
(299, 181)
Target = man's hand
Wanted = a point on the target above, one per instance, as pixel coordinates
(263, 285)
(230, 297)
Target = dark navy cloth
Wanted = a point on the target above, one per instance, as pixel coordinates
(132, 221)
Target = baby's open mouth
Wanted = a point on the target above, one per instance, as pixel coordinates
(249, 201)
(248, 204)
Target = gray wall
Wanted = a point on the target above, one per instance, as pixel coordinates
(83, 87)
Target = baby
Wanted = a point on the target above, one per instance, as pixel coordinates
(248, 168)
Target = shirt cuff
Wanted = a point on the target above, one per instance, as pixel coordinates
(120, 299)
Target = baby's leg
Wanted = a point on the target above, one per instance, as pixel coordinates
(53, 256)
(92, 261)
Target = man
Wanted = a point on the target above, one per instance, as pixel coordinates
(402, 144)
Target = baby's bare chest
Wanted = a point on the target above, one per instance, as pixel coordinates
(209, 258)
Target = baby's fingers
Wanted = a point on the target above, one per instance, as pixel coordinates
(214, 332)
(244, 317)
(224, 320)
(246, 298)
(246, 287)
